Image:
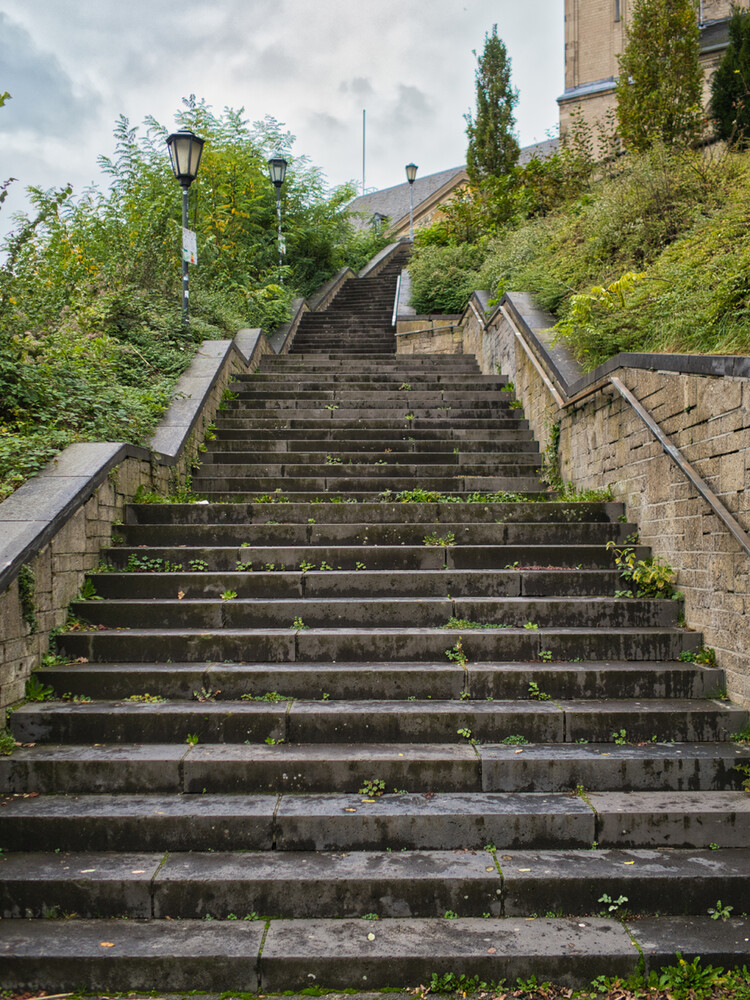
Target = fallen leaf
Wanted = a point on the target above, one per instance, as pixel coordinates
(629, 862)
(371, 936)
(85, 871)
(138, 871)
(489, 868)
(518, 751)
(348, 810)
(180, 594)
(492, 951)
(107, 944)
(524, 869)
(369, 801)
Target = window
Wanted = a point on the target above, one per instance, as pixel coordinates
(617, 10)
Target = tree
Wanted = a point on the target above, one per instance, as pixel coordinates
(493, 148)
(659, 92)
(730, 90)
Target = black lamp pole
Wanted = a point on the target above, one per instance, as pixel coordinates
(185, 150)
(411, 175)
(277, 172)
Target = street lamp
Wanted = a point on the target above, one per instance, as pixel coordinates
(411, 175)
(185, 150)
(277, 171)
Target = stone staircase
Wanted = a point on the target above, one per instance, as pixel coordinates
(277, 762)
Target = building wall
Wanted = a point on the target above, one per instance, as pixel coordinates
(594, 36)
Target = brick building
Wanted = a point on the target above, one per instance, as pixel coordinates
(595, 35)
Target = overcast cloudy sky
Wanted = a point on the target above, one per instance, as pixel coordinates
(73, 66)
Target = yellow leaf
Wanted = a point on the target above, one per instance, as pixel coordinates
(106, 944)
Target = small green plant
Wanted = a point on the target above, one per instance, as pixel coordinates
(198, 565)
(536, 694)
(326, 567)
(620, 737)
(373, 788)
(37, 691)
(457, 654)
(306, 566)
(744, 769)
(192, 739)
(720, 912)
(228, 595)
(145, 699)
(75, 699)
(272, 742)
(613, 906)
(467, 735)
(360, 566)
(298, 624)
(509, 386)
(450, 915)
(370, 916)
(465, 623)
(270, 696)
(651, 577)
(444, 540)
(88, 591)
(532, 626)
(405, 386)
(227, 397)
(243, 567)
(545, 655)
(276, 497)
(333, 460)
(7, 742)
(206, 694)
(515, 404)
(705, 655)
(515, 740)
(332, 406)
(27, 597)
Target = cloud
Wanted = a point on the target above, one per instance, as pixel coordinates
(412, 107)
(45, 98)
(360, 86)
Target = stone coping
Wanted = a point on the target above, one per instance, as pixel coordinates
(374, 265)
(567, 373)
(32, 516)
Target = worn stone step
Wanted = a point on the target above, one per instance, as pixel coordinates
(354, 496)
(376, 644)
(445, 533)
(459, 428)
(376, 513)
(222, 456)
(508, 467)
(413, 767)
(394, 681)
(431, 721)
(334, 482)
(364, 448)
(373, 583)
(306, 885)
(418, 821)
(337, 612)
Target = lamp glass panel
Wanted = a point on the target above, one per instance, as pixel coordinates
(411, 172)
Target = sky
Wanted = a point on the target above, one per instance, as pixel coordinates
(73, 67)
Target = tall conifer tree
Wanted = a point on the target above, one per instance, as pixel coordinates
(659, 92)
(730, 87)
(493, 148)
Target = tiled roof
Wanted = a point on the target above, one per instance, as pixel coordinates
(393, 202)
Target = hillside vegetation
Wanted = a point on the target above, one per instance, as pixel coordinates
(649, 252)
(91, 338)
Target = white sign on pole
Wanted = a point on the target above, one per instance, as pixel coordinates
(189, 246)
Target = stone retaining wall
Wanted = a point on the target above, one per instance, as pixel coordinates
(704, 411)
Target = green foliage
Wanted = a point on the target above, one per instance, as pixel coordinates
(91, 338)
(493, 148)
(457, 653)
(443, 278)
(36, 690)
(730, 92)
(373, 788)
(440, 540)
(7, 742)
(652, 577)
(659, 90)
(27, 597)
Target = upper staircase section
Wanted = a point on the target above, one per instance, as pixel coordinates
(358, 321)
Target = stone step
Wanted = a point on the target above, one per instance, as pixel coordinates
(356, 612)
(425, 379)
(417, 428)
(349, 681)
(369, 583)
(336, 822)
(350, 496)
(375, 395)
(446, 533)
(248, 956)
(434, 721)
(245, 487)
(378, 447)
(376, 884)
(286, 645)
(506, 467)
(410, 768)
(385, 557)
(378, 513)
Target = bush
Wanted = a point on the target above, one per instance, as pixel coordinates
(443, 278)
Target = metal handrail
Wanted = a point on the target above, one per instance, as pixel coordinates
(703, 489)
(394, 316)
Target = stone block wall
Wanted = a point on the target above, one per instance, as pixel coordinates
(603, 442)
(97, 480)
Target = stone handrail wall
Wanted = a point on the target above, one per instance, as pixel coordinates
(701, 404)
(53, 528)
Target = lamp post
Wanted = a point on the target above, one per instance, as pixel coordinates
(411, 175)
(185, 150)
(277, 171)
